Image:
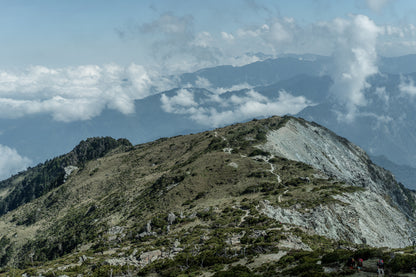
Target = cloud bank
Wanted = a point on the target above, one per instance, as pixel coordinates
(76, 93)
(11, 162)
(354, 43)
(225, 110)
(83, 92)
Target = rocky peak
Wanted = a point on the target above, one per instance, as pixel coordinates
(306, 142)
(93, 148)
(317, 146)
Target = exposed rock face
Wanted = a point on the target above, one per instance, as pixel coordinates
(151, 256)
(68, 170)
(378, 216)
(367, 218)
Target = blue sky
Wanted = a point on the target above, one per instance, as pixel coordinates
(61, 33)
(70, 59)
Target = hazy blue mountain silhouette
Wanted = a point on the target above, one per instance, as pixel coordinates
(40, 137)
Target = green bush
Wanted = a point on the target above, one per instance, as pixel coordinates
(159, 222)
(402, 263)
(261, 136)
(216, 144)
(286, 260)
(108, 270)
(236, 271)
(306, 269)
(368, 253)
(274, 160)
(295, 182)
(259, 152)
(305, 264)
(337, 256)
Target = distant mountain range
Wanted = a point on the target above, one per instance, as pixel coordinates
(384, 126)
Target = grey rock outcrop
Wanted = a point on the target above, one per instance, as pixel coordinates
(382, 215)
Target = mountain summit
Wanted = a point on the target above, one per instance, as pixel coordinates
(273, 196)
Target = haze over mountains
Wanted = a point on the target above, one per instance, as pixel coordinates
(379, 117)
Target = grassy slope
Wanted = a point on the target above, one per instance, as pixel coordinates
(97, 222)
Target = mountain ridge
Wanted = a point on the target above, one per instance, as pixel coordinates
(39, 180)
(205, 203)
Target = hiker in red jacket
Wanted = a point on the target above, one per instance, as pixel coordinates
(359, 264)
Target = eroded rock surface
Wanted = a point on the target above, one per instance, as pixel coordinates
(380, 215)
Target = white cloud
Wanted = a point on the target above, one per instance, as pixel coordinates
(278, 35)
(181, 103)
(75, 93)
(227, 36)
(244, 59)
(397, 40)
(407, 87)
(251, 108)
(281, 31)
(381, 119)
(236, 108)
(11, 162)
(203, 39)
(202, 82)
(353, 43)
(233, 88)
(250, 96)
(355, 60)
(281, 35)
(62, 109)
(177, 43)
